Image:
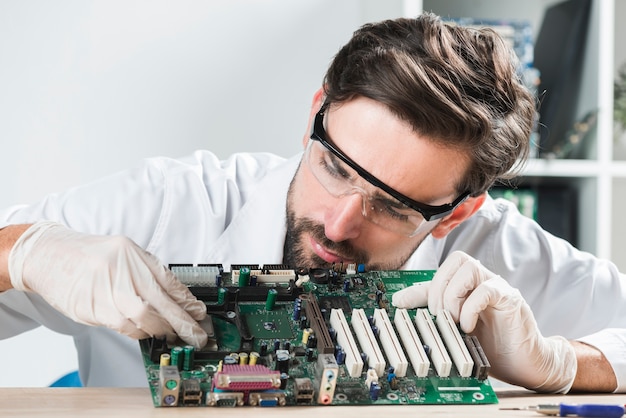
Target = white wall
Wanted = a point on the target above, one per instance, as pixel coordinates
(89, 87)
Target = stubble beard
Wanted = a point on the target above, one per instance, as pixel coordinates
(297, 253)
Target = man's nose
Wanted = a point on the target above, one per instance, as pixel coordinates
(344, 218)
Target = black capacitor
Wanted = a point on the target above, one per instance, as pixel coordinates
(312, 341)
(303, 322)
(333, 334)
(379, 296)
(276, 345)
(309, 354)
(287, 345)
(282, 361)
(263, 349)
(284, 377)
(346, 285)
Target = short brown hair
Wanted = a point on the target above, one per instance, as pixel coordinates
(454, 85)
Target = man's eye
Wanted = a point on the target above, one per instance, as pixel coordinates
(333, 169)
(386, 209)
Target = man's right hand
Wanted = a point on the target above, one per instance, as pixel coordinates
(485, 305)
(105, 281)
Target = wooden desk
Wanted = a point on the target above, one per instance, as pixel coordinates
(137, 403)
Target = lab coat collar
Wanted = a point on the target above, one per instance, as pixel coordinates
(256, 234)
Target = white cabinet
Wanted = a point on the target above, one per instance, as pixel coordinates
(597, 176)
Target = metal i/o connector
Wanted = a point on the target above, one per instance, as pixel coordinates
(169, 385)
(390, 343)
(224, 399)
(452, 337)
(428, 331)
(327, 372)
(354, 362)
(246, 377)
(269, 398)
(412, 343)
(368, 342)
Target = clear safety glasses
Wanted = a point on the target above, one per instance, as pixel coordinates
(382, 205)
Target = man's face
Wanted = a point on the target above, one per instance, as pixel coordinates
(323, 229)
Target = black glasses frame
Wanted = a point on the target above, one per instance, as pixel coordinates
(429, 212)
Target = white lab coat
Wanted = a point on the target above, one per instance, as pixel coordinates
(202, 210)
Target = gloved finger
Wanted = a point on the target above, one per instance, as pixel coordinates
(494, 294)
(469, 275)
(160, 315)
(442, 277)
(175, 289)
(415, 296)
(181, 294)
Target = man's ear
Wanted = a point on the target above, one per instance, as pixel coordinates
(318, 101)
(460, 214)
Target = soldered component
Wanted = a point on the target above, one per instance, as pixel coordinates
(236, 377)
(196, 275)
(412, 343)
(191, 392)
(314, 314)
(303, 390)
(390, 343)
(456, 347)
(269, 398)
(481, 363)
(354, 363)
(189, 357)
(164, 360)
(224, 399)
(177, 356)
(367, 340)
(267, 276)
(327, 372)
(271, 299)
(169, 385)
(428, 331)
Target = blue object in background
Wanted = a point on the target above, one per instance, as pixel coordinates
(71, 379)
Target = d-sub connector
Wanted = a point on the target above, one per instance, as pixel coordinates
(269, 398)
(231, 399)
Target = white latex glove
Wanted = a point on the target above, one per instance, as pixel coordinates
(485, 305)
(105, 281)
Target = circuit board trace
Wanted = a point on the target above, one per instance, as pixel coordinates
(324, 338)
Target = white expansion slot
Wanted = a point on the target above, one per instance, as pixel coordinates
(452, 337)
(390, 343)
(438, 354)
(412, 343)
(354, 362)
(364, 334)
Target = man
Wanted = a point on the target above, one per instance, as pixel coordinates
(415, 122)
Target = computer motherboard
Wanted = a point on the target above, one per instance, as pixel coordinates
(285, 337)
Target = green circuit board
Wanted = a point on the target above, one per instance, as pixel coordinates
(281, 337)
